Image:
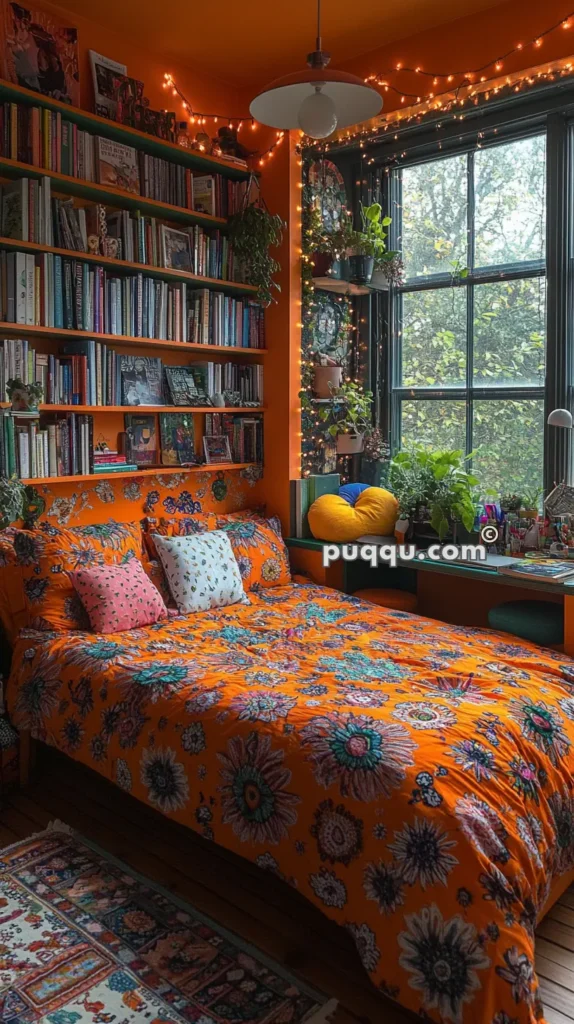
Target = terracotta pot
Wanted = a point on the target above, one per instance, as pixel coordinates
(350, 444)
(324, 375)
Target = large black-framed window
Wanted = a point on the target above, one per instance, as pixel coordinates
(468, 326)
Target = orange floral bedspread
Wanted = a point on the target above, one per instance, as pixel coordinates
(412, 779)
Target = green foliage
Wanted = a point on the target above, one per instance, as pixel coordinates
(531, 498)
(352, 409)
(34, 391)
(252, 232)
(433, 486)
(12, 501)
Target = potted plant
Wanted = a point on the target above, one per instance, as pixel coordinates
(511, 502)
(252, 232)
(352, 417)
(24, 397)
(366, 249)
(12, 502)
(433, 488)
(530, 504)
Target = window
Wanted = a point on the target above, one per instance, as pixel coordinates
(468, 357)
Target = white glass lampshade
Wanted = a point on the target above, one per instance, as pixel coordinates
(286, 102)
(560, 418)
(317, 115)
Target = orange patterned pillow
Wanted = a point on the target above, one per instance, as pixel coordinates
(46, 555)
(260, 552)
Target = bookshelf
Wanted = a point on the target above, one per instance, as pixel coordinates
(82, 191)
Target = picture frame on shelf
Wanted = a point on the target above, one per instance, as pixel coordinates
(176, 249)
(177, 439)
(40, 52)
(217, 449)
(142, 447)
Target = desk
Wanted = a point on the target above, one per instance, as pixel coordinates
(352, 576)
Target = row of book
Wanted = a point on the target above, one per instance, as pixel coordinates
(43, 138)
(52, 291)
(62, 447)
(245, 434)
(90, 373)
(30, 213)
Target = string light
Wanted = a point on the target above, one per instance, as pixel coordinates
(202, 118)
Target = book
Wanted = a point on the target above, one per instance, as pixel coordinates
(117, 165)
(15, 210)
(142, 380)
(185, 386)
(217, 449)
(176, 249)
(204, 194)
(142, 440)
(551, 571)
(177, 439)
(323, 483)
(104, 72)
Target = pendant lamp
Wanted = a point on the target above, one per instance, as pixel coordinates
(316, 100)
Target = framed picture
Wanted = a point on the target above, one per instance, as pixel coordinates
(40, 52)
(177, 439)
(142, 440)
(176, 249)
(217, 449)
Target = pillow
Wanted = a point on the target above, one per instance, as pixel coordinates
(46, 556)
(177, 526)
(118, 597)
(154, 570)
(201, 571)
(260, 552)
(332, 518)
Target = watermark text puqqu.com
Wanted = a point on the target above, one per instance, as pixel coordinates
(391, 554)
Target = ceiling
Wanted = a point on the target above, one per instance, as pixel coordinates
(248, 43)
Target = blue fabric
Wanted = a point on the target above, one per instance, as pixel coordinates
(350, 492)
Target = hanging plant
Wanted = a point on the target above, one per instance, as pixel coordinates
(252, 232)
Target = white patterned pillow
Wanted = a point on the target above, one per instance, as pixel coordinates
(201, 570)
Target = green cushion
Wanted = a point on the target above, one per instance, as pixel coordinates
(539, 621)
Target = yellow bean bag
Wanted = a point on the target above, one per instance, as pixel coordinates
(334, 519)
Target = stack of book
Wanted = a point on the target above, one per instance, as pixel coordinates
(245, 434)
(27, 211)
(44, 138)
(52, 291)
(246, 380)
(108, 461)
(62, 447)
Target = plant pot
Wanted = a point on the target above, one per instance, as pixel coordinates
(529, 513)
(361, 269)
(379, 281)
(350, 444)
(325, 375)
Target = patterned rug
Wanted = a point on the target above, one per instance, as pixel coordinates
(85, 940)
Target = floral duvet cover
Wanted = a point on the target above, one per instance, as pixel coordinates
(410, 778)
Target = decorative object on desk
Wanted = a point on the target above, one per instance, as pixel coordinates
(316, 100)
(177, 439)
(24, 397)
(117, 165)
(433, 488)
(142, 440)
(217, 449)
(12, 502)
(252, 232)
(333, 518)
(530, 503)
(40, 52)
(176, 249)
(104, 73)
(511, 502)
(142, 380)
(560, 501)
(186, 385)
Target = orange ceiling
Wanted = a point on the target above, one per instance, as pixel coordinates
(248, 43)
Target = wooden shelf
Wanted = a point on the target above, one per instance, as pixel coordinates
(155, 471)
(7, 329)
(141, 268)
(45, 407)
(330, 284)
(100, 193)
(129, 136)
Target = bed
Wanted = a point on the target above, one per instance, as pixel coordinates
(412, 779)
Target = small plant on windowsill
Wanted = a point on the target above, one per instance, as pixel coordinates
(433, 488)
(530, 503)
(366, 249)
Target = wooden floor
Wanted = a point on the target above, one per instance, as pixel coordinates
(256, 906)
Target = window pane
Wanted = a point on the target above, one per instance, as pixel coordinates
(509, 333)
(510, 202)
(435, 424)
(510, 435)
(434, 226)
(434, 338)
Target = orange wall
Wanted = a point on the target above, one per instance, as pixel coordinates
(469, 42)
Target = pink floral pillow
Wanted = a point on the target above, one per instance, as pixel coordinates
(118, 597)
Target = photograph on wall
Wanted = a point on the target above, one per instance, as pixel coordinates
(40, 52)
